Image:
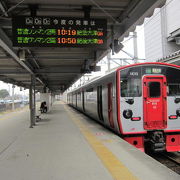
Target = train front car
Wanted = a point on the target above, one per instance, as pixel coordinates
(148, 100)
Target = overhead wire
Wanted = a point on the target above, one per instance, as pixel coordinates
(105, 12)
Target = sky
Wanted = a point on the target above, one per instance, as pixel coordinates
(17, 90)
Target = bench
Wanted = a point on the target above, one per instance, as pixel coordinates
(38, 118)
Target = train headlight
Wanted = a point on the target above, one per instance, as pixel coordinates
(178, 112)
(127, 113)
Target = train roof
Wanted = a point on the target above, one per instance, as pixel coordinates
(93, 80)
(147, 63)
(124, 67)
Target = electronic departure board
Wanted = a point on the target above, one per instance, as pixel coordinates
(59, 32)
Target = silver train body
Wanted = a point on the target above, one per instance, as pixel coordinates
(140, 102)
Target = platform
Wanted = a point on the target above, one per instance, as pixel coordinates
(67, 145)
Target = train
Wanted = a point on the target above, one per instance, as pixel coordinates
(139, 102)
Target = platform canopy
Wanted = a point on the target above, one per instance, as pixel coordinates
(57, 68)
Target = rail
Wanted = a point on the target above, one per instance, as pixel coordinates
(170, 160)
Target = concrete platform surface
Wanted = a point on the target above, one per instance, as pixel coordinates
(67, 145)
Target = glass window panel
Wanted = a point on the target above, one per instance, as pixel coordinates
(154, 89)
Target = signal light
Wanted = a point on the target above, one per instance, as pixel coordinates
(173, 117)
(136, 118)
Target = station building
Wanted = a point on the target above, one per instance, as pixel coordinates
(162, 34)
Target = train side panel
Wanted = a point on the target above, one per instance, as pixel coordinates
(69, 98)
(79, 100)
(129, 126)
(74, 99)
(100, 101)
(110, 102)
(90, 101)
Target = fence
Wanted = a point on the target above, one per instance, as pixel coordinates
(8, 106)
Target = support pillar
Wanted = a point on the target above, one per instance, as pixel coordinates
(13, 86)
(32, 103)
(34, 98)
(112, 39)
(109, 62)
(135, 47)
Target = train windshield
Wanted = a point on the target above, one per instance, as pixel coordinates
(173, 82)
(174, 89)
(130, 87)
(131, 79)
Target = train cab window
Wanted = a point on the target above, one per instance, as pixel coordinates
(174, 89)
(173, 81)
(154, 89)
(131, 87)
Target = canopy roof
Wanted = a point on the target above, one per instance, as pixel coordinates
(58, 68)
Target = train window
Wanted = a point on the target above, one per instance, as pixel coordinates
(131, 87)
(173, 89)
(173, 81)
(79, 96)
(89, 90)
(154, 89)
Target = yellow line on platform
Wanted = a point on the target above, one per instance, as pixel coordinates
(110, 161)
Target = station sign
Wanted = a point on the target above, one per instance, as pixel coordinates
(59, 32)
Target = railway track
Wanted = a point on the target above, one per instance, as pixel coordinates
(174, 157)
(170, 160)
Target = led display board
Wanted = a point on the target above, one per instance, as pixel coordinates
(58, 32)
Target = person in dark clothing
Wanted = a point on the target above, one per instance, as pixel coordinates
(43, 107)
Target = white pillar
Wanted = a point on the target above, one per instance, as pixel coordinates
(46, 97)
(13, 86)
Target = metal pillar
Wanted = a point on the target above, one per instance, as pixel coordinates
(84, 79)
(34, 98)
(112, 39)
(30, 105)
(32, 101)
(13, 86)
(45, 89)
(109, 62)
(135, 47)
(87, 11)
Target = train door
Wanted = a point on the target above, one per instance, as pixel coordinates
(83, 101)
(76, 99)
(155, 104)
(99, 103)
(110, 105)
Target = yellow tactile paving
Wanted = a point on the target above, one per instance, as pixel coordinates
(110, 161)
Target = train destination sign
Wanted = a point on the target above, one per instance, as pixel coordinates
(58, 32)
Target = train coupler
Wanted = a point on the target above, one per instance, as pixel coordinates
(156, 141)
(158, 147)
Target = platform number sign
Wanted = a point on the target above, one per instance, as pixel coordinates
(58, 32)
